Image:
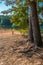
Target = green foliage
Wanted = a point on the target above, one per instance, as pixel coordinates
(20, 16)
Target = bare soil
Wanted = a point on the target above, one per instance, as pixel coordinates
(11, 47)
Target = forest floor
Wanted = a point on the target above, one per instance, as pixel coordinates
(11, 47)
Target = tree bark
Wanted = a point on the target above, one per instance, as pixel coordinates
(30, 31)
(35, 24)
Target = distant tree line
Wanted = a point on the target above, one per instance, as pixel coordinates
(5, 22)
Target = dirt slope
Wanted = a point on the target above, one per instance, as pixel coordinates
(10, 46)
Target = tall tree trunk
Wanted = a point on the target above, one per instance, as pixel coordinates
(35, 24)
(30, 31)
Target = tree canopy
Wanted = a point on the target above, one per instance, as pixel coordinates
(20, 11)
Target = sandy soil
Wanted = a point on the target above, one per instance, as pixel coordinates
(11, 47)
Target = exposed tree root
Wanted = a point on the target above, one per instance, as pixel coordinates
(31, 49)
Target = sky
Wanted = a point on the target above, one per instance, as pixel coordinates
(40, 4)
(4, 7)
